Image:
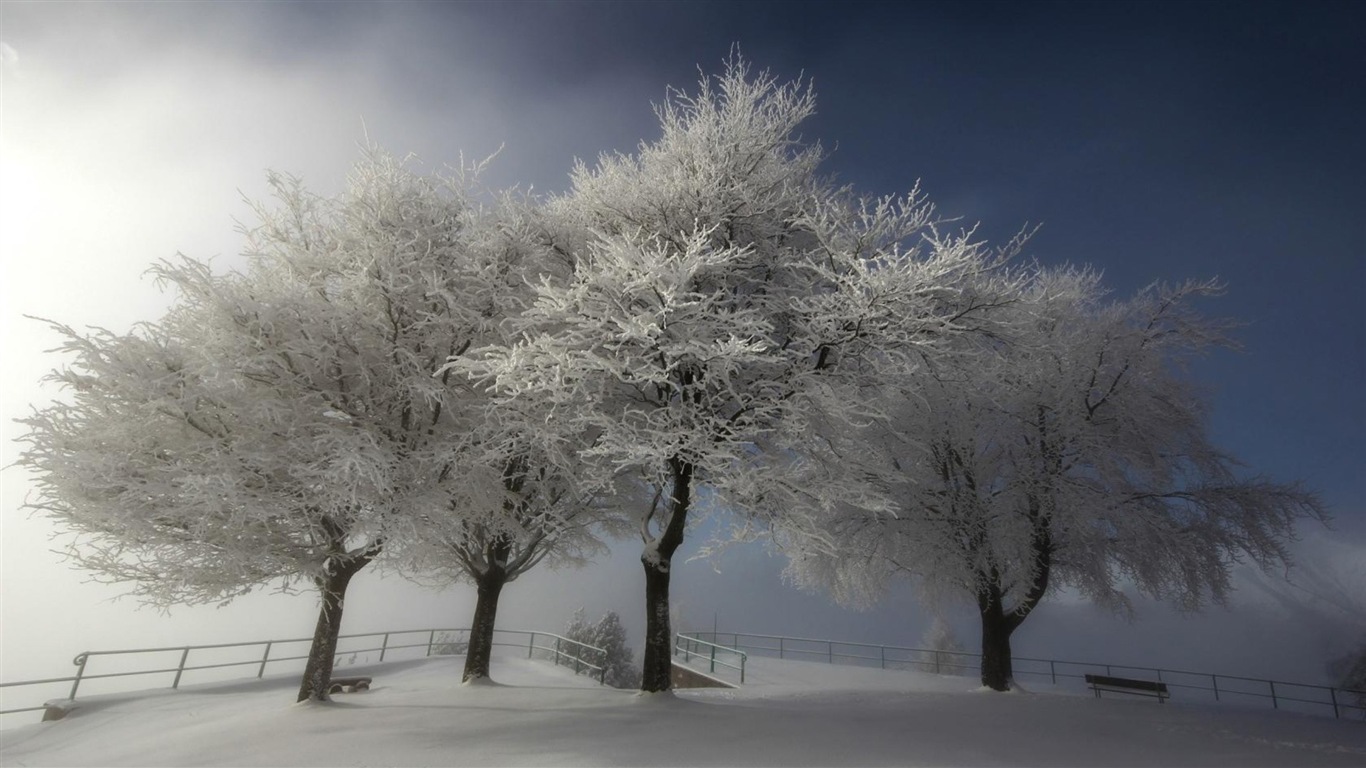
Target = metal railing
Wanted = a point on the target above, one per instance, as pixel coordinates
(562, 650)
(691, 646)
(1301, 697)
(566, 650)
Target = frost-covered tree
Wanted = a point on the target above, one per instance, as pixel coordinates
(513, 493)
(610, 635)
(1069, 452)
(159, 467)
(723, 301)
(529, 510)
(619, 669)
(283, 422)
(196, 485)
(943, 645)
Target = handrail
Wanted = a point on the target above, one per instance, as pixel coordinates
(688, 644)
(562, 651)
(580, 663)
(940, 660)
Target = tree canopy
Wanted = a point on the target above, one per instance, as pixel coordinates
(1067, 451)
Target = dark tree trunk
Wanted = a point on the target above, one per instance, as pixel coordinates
(657, 674)
(318, 672)
(998, 624)
(658, 663)
(997, 673)
(480, 652)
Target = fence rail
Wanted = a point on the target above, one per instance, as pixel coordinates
(562, 650)
(691, 646)
(1301, 697)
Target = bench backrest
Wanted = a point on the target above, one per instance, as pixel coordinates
(1124, 682)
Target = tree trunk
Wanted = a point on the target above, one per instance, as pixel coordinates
(997, 673)
(998, 624)
(657, 675)
(658, 663)
(318, 672)
(480, 651)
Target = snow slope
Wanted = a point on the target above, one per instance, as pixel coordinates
(795, 714)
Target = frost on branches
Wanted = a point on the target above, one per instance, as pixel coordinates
(618, 663)
(517, 494)
(282, 422)
(724, 303)
(529, 512)
(1067, 452)
(512, 491)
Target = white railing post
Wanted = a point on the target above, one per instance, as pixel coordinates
(181, 669)
(264, 658)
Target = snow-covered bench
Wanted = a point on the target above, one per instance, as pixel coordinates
(56, 709)
(349, 684)
(1100, 683)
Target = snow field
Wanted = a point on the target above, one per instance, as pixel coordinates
(794, 714)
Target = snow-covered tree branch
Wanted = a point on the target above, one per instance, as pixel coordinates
(1068, 451)
(724, 300)
(285, 422)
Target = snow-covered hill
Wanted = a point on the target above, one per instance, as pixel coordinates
(796, 713)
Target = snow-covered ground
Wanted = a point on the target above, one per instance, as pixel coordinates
(793, 713)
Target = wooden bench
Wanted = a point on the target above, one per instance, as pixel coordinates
(1100, 683)
(349, 684)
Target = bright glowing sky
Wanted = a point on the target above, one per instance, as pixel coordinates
(1156, 142)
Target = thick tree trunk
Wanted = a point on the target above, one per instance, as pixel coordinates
(997, 673)
(318, 672)
(998, 624)
(480, 652)
(657, 675)
(657, 557)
